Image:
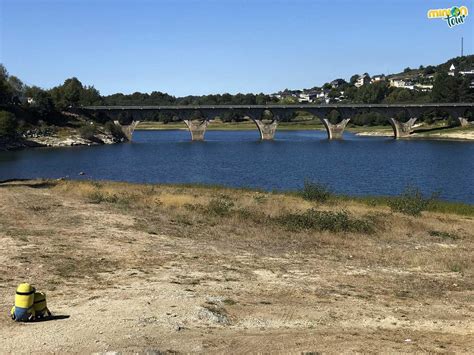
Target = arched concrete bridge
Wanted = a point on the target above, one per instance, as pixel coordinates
(197, 117)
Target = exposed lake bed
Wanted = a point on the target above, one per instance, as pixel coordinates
(207, 269)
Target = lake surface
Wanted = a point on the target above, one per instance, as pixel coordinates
(353, 166)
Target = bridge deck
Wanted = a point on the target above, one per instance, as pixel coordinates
(298, 107)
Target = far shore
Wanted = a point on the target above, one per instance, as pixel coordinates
(69, 138)
(435, 132)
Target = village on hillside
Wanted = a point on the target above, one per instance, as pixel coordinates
(418, 80)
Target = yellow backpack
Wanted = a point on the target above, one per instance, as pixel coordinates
(41, 309)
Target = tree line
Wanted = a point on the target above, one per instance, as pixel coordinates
(31, 104)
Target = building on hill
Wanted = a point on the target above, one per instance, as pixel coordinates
(470, 75)
(452, 70)
(424, 87)
(377, 78)
(401, 83)
(397, 82)
(307, 96)
(362, 80)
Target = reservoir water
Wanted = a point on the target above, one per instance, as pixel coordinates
(353, 166)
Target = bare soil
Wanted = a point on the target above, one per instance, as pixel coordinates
(193, 269)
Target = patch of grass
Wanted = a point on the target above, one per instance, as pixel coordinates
(451, 207)
(411, 202)
(313, 191)
(98, 197)
(88, 132)
(455, 267)
(443, 235)
(325, 220)
(434, 205)
(229, 302)
(260, 198)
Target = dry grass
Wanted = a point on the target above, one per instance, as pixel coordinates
(189, 211)
(90, 240)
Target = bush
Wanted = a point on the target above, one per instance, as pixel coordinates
(8, 124)
(221, 206)
(315, 192)
(411, 202)
(114, 130)
(88, 132)
(444, 235)
(325, 220)
(98, 197)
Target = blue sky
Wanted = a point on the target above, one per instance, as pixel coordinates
(186, 47)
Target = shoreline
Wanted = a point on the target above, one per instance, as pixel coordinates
(456, 134)
(54, 142)
(371, 200)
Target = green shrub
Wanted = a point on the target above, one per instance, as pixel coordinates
(8, 124)
(88, 132)
(101, 197)
(221, 206)
(444, 235)
(313, 191)
(325, 220)
(411, 202)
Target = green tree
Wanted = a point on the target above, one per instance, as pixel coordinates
(372, 94)
(8, 124)
(288, 100)
(17, 88)
(353, 79)
(398, 95)
(445, 88)
(334, 93)
(466, 93)
(90, 96)
(72, 90)
(429, 70)
(5, 91)
(42, 100)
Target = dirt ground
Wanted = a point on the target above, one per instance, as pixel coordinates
(189, 269)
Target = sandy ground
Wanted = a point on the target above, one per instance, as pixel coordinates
(161, 274)
(466, 133)
(455, 135)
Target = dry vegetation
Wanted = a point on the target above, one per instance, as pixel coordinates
(187, 268)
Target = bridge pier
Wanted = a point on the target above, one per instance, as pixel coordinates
(127, 130)
(463, 121)
(197, 129)
(267, 130)
(400, 129)
(335, 131)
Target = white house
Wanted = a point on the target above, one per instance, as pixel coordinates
(467, 72)
(398, 83)
(377, 78)
(361, 80)
(322, 94)
(424, 87)
(307, 96)
(452, 68)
